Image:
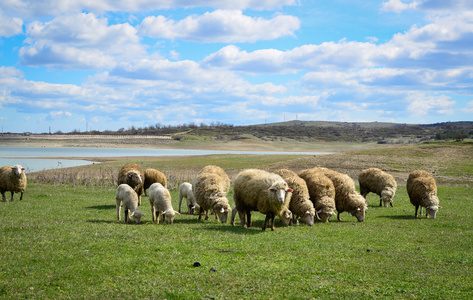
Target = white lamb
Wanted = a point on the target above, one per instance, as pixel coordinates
(160, 200)
(185, 191)
(129, 198)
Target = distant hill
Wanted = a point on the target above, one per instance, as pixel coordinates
(307, 131)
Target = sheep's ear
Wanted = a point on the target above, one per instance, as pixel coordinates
(222, 210)
(307, 212)
(163, 213)
(358, 209)
(289, 190)
(177, 213)
(319, 211)
(440, 207)
(272, 189)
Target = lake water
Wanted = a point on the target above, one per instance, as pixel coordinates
(42, 158)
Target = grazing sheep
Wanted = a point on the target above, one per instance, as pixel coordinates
(211, 187)
(185, 191)
(153, 176)
(160, 200)
(12, 179)
(262, 191)
(379, 182)
(346, 197)
(422, 191)
(321, 191)
(129, 198)
(132, 174)
(300, 205)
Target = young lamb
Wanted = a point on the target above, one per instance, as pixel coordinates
(211, 186)
(300, 205)
(185, 191)
(321, 191)
(12, 179)
(346, 197)
(379, 182)
(133, 175)
(422, 191)
(268, 193)
(153, 176)
(129, 198)
(160, 200)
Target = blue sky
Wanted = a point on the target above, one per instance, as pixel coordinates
(106, 65)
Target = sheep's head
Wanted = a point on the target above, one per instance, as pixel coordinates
(387, 196)
(17, 170)
(169, 215)
(137, 215)
(324, 215)
(221, 206)
(308, 217)
(285, 216)
(431, 211)
(133, 178)
(281, 191)
(359, 206)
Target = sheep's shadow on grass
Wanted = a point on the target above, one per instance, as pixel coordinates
(103, 207)
(400, 217)
(101, 221)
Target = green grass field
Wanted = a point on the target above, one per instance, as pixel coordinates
(64, 242)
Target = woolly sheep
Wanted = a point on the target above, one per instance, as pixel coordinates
(268, 193)
(133, 175)
(379, 182)
(185, 191)
(346, 197)
(160, 200)
(211, 186)
(422, 191)
(129, 198)
(300, 205)
(153, 176)
(321, 192)
(12, 179)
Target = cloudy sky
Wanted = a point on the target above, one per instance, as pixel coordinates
(106, 64)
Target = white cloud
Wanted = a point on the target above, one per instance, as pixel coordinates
(10, 26)
(227, 26)
(397, 6)
(421, 104)
(34, 8)
(80, 41)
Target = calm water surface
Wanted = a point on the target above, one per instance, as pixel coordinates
(41, 158)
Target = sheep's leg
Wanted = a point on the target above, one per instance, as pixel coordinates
(180, 202)
(391, 203)
(118, 210)
(12, 196)
(417, 207)
(380, 202)
(200, 214)
(248, 218)
(3, 197)
(206, 215)
(338, 216)
(21, 196)
(127, 217)
(139, 200)
(241, 214)
(152, 210)
(272, 222)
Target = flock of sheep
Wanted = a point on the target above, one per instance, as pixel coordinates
(312, 194)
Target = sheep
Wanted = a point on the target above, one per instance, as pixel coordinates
(132, 174)
(129, 198)
(321, 192)
(422, 191)
(262, 191)
(300, 205)
(211, 186)
(152, 176)
(379, 182)
(160, 200)
(185, 191)
(346, 197)
(12, 179)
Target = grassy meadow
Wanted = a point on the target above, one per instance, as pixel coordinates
(63, 241)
